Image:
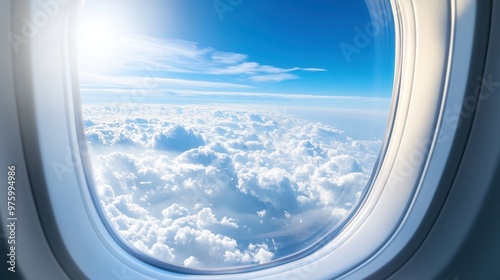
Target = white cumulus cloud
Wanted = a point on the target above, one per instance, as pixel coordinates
(209, 186)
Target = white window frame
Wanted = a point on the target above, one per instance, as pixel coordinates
(434, 48)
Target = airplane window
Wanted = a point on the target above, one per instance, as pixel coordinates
(231, 133)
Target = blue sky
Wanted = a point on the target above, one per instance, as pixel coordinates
(253, 51)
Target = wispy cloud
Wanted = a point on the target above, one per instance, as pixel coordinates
(151, 82)
(159, 58)
(254, 68)
(170, 90)
(228, 57)
(274, 77)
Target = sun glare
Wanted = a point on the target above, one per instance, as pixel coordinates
(97, 40)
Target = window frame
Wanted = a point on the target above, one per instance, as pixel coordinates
(430, 74)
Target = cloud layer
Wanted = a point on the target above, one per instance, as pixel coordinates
(210, 187)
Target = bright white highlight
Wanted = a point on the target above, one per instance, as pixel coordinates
(98, 42)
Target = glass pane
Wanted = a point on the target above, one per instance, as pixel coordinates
(233, 133)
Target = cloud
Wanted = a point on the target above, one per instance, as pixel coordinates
(144, 62)
(262, 73)
(313, 69)
(176, 138)
(211, 187)
(274, 77)
(151, 82)
(228, 57)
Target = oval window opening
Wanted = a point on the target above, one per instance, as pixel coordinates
(231, 134)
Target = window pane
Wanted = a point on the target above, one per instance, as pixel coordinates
(233, 133)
